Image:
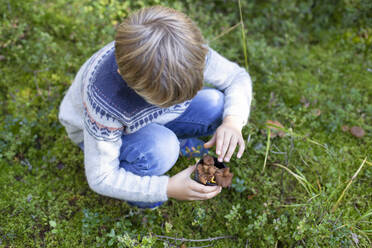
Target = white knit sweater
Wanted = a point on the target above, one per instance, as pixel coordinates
(101, 155)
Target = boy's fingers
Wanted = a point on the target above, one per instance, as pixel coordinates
(191, 168)
(211, 195)
(219, 142)
(197, 187)
(233, 142)
(188, 170)
(241, 147)
(205, 196)
(226, 143)
(210, 142)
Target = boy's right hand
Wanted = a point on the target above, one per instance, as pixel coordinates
(182, 187)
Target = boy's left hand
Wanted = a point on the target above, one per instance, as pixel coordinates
(226, 137)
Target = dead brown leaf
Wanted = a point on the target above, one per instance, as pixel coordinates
(250, 197)
(274, 125)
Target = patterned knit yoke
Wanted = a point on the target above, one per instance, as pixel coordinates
(111, 108)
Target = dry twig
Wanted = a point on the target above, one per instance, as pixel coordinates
(194, 240)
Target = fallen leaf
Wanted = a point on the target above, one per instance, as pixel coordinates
(250, 197)
(357, 132)
(274, 125)
(254, 194)
(2, 57)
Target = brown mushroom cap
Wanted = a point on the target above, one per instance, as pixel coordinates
(226, 172)
(212, 170)
(202, 179)
(224, 177)
(274, 125)
(207, 172)
(357, 131)
(208, 160)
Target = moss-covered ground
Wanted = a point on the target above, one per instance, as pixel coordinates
(311, 65)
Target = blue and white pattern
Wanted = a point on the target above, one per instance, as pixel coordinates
(111, 107)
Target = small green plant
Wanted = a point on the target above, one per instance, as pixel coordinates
(311, 67)
(125, 241)
(233, 215)
(238, 184)
(90, 222)
(199, 217)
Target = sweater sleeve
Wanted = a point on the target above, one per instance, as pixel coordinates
(105, 177)
(233, 80)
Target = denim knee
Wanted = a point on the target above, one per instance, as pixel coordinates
(165, 149)
(152, 150)
(202, 117)
(213, 97)
(214, 101)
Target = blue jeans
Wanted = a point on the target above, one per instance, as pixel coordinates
(154, 149)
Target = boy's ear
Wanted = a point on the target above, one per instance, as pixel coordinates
(119, 71)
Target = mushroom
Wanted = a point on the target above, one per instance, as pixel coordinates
(212, 170)
(209, 173)
(357, 131)
(224, 177)
(208, 160)
(202, 179)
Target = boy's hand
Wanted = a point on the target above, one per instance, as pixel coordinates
(226, 137)
(182, 187)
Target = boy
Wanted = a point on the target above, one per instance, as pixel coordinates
(133, 100)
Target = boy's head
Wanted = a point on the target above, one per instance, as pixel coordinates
(161, 53)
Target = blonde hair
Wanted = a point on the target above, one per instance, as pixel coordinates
(160, 53)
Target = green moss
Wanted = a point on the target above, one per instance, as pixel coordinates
(311, 68)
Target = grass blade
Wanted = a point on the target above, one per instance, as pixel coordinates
(348, 185)
(243, 37)
(366, 215)
(267, 148)
(300, 179)
(226, 31)
(290, 132)
(294, 205)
